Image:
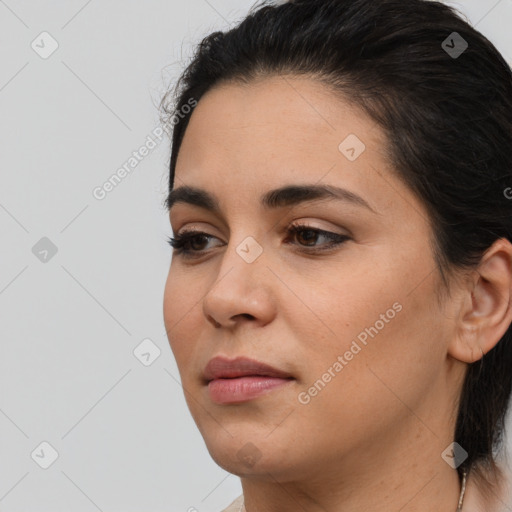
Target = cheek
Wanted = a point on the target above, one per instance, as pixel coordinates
(170, 304)
(180, 315)
(372, 393)
(390, 342)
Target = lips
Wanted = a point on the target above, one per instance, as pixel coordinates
(222, 368)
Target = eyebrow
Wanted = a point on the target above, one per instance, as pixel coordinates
(289, 195)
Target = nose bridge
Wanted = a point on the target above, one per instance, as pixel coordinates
(241, 261)
(246, 242)
(239, 288)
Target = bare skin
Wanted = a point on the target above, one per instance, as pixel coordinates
(372, 437)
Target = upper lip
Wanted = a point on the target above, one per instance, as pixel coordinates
(223, 368)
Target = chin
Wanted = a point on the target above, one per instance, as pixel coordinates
(253, 454)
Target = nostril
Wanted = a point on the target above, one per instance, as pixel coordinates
(213, 321)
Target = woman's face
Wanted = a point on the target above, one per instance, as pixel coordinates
(356, 324)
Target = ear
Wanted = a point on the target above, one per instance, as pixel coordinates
(486, 311)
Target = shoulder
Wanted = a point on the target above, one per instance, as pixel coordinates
(235, 505)
(487, 491)
(506, 492)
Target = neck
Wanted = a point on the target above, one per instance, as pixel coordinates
(434, 492)
(411, 478)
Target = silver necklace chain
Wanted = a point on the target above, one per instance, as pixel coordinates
(459, 505)
(462, 491)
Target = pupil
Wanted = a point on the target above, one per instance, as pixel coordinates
(202, 239)
(310, 238)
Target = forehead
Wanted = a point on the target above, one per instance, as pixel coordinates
(282, 110)
(270, 127)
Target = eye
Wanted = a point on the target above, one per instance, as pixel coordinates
(181, 243)
(312, 234)
(185, 244)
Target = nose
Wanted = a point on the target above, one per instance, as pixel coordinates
(242, 292)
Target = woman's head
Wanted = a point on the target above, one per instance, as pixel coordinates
(406, 106)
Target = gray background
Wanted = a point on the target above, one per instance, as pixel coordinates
(70, 321)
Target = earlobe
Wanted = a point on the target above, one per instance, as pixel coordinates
(486, 309)
(466, 344)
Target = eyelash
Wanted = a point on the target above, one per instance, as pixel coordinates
(179, 242)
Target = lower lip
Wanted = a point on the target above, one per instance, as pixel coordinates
(242, 389)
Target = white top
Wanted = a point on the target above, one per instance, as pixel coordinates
(235, 505)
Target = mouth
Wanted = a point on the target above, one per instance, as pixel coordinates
(244, 388)
(222, 368)
(241, 375)
(241, 379)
